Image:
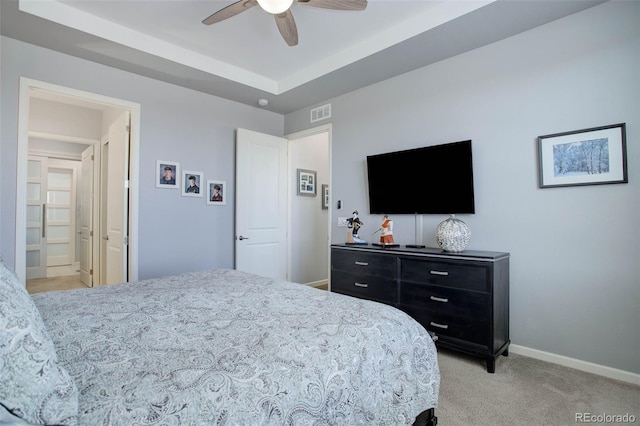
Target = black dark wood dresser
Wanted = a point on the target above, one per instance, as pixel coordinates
(461, 297)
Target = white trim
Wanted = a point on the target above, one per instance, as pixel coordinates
(589, 367)
(58, 12)
(430, 18)
(20, 254)
(56, 154)
(26, 86)
(62, 138)
(418, 23)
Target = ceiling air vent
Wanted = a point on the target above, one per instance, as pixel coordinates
(321, 113)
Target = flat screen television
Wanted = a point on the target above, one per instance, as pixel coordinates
(430, 180)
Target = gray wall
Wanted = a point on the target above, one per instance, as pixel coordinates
(575, 280)
(176, 234)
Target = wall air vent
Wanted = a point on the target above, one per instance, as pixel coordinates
(321, 113)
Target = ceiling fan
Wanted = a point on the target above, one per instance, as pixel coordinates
(281, 10)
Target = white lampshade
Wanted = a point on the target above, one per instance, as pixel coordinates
(275, 6)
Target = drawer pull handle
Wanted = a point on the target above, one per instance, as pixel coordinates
(435, 324)
(362, 263)
(443, 273)
(363, 285)
(439, 299)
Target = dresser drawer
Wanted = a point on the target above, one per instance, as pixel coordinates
(464, 275)
(475, 331)
(447, 301)
(376, 288)
(364, 263)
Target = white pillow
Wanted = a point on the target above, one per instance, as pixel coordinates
(33, 386)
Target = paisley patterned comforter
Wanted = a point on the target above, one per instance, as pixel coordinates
(224, 347)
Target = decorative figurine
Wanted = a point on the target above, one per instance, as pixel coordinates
(354, 223)
(386, 236)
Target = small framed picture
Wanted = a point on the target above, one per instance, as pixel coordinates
(307, 183)
(216, 194)
(191, 184)
(167, 174)
(325, 196)
(583, 157)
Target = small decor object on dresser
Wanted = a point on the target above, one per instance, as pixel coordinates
(386, 236)
(386, 233)
(354, 223)
(453, 235)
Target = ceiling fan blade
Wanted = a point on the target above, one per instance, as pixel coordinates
(229, 11)
(336, 4)
(287, 27)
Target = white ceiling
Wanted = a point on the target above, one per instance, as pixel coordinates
(244, 58)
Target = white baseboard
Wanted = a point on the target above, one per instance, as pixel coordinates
(589, 367)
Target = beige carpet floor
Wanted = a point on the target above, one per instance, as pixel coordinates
(40, 285)
(526, 391)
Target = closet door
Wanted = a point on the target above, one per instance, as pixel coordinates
(60, 220)
(36, 217)
(86, 216)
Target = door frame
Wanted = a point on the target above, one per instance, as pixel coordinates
(291, 138)
(27, 85)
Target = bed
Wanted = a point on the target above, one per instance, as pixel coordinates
(218, 347)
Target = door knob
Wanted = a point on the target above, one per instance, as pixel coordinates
(106, 238)
(242, 238)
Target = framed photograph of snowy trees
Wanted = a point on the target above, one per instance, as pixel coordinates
(583, 157)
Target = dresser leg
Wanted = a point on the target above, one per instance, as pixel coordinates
(506, 352)
(491, 365)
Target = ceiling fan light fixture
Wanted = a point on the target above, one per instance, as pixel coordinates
(275, 7)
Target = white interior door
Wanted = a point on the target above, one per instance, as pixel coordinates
(102, 222)
(61, 212)
(261, 204)
(86, 216)
(117, 205)
(36, 256)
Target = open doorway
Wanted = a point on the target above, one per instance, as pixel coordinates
(52, 216)
(288, 236)
(310, 216)
(79, 223)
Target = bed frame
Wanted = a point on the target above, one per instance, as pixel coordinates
(426, 418)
